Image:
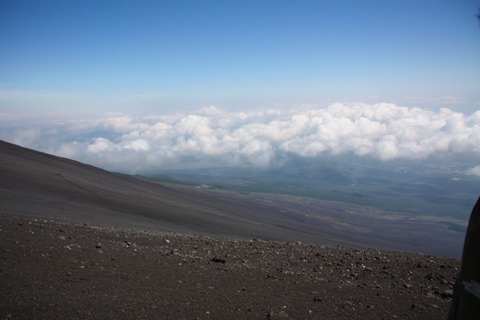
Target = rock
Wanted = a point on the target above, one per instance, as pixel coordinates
(219, 260)
(347, 304)
(98, 245)
(274, 314)
(447, 294)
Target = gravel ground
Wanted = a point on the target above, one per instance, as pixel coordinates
(53, 269)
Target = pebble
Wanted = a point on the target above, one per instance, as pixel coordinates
(219, 260)
(274, 314)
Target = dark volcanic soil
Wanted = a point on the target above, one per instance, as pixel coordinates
(57, 270)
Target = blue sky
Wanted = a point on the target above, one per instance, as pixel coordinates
(164, 57)
(145, 85)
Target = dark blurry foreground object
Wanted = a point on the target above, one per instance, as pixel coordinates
(466, 296)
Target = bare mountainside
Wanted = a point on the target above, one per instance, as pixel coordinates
(38, 184)
(79, 242)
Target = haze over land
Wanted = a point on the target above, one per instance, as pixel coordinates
(41, 185)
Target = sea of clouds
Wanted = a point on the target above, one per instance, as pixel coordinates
(212, 137)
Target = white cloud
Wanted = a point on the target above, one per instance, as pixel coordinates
(100, 145)
(475, 171)
(212, 110)
(138, 145)
(263, 137)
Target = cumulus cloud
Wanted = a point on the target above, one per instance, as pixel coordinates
(259, 138)
(475, 171)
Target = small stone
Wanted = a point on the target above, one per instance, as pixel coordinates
(219, 260)
(447, 294)
(273, 315)
(98, 245)
(348, 304)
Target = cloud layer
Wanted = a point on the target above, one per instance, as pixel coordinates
(259, 138)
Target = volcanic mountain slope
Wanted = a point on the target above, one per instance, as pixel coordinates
(68, 250)
(38, 184)
(34, 183)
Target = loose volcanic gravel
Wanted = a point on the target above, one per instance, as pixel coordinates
(58, 270)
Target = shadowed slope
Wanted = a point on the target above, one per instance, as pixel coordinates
(38, 184)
